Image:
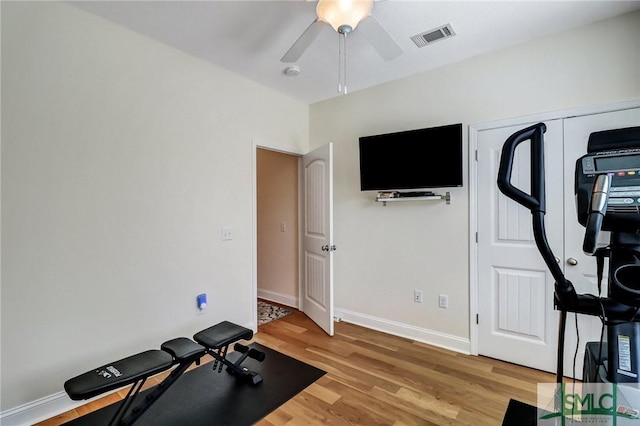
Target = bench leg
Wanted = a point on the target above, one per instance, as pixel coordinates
(126, 402)
(234, 367)
(219, 357)
(134, 414)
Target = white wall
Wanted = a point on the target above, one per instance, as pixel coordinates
(387, 252)
(121, 160)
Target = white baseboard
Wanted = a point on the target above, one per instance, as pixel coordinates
(39, 410)
(424, 335)
(283, 299)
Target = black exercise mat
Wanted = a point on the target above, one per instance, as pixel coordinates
(520, 414)
(204, 397)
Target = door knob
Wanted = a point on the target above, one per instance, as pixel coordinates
(557, 259)
(324, 248)
(572, 261)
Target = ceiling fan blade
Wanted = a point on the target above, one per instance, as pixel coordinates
(379, 38)
(303, 42)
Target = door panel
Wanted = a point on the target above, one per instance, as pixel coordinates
(517, 322)
(315, 267)
(523, 296)
(317, 239)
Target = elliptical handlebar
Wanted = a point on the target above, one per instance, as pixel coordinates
(598, 208)
(536, 200)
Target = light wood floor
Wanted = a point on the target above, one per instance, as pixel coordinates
(377, 379)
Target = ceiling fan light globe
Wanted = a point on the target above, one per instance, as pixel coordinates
(343, 12)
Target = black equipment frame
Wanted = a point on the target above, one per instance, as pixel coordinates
(137, 411)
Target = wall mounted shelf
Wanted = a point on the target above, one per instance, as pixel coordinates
(434, 197)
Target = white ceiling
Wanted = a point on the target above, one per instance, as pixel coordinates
(250, 37)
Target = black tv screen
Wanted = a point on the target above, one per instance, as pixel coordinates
(414, 159)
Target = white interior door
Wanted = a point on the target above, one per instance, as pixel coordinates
(579, 268)
(516, 319)
(317, 237)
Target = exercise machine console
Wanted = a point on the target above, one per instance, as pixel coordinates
(607, 190)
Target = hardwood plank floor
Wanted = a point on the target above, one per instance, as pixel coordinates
(378, 379)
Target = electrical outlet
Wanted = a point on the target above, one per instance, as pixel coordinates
(417, 296)
(226, 233)
(283, 226)
(443, 301)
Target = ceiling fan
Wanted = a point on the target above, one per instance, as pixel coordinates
(344, 16)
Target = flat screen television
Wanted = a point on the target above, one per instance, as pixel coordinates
(413, 159)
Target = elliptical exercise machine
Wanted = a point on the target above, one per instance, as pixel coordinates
(607, 190)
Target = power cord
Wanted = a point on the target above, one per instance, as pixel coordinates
(575, 354)
(595, 374)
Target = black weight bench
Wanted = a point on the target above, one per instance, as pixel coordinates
(180, 352)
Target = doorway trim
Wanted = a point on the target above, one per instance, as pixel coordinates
(473, 188)
(255, 145)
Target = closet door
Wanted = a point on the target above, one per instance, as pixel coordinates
(579, 268)
(517, 322)
(516, 319)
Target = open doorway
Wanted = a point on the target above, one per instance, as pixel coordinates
(316, 245)
(277, 213)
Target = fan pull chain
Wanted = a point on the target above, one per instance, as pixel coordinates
(339, 62)
(344, 66)
(343, 31)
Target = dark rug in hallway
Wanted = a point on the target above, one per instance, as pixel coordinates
(268, 312)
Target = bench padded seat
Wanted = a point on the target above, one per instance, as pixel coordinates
(183, 349)
(222, 334)
(118, 374)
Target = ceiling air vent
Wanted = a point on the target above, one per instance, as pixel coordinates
(434, 35)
